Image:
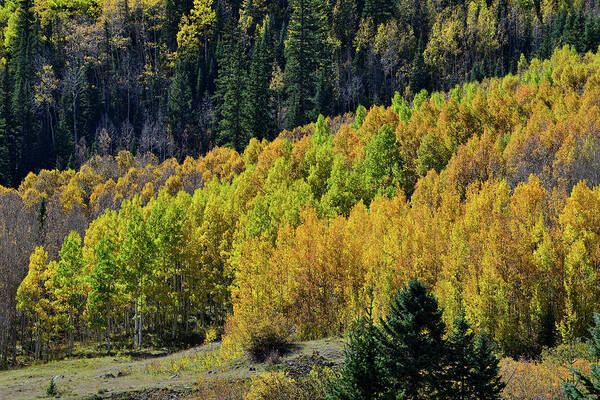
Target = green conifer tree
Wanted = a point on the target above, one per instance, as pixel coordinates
(231, 87)
(473, 368)
(363, 375)
(378, 10)
(412, 343)
(418, 74)
(25, 130)
(258, 108)
(6, 142)
(180, 112)
(305, 53)
(485, 381)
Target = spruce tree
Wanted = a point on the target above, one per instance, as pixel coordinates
(231, 84)
(305, 53)
(461, 345)
(22, 121)
(179, 105)
(378, 10)
(473, 368)
(6, 145)
(171, 24)
(363, 375)
(412, 344)
(65, 147)
(485, 379)
(418, 74)
(258, 107)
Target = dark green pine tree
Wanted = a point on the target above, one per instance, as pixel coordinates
(591, 33)
(23, 124)
(473, 367)
(558, 27)
(65, 147)
(587, 387)
(324, 98)
(461, 346)
(412, 344)
(485, 379)
(574, 31)
(419, 78)
(180, 102)
(171, 24)
(6, 142)
(305, 54)
(379, 10)
(231, 87)
(258, 107)
(363, 375)
(545, 50)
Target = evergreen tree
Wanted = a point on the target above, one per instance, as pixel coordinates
(378, 10)
(171, 24)
(22, 121)
(231, 84)
(324, 101)
(363, 375)
(591, 34)
(180, 112)
(485, 379)
(461, 346)
(587, 387)
(6, 145)
(258, 107)
(418, 74)
(558, 29)
(64, 137)
(412, 343)
(305, 53)
(473, 368)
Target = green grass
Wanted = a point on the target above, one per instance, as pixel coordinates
(192, 366)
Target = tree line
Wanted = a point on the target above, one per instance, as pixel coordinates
(488, 193)
(176, 78)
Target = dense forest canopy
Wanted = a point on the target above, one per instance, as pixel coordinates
(93, 77)
(488, 193)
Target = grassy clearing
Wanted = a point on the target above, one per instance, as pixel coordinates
(194, 369)
(215, 371)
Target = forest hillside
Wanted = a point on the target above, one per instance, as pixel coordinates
(487, 193)
(80, 78)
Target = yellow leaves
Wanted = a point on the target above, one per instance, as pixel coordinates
(446, 37)
(34, 295)
(195, 27)
(45, 87)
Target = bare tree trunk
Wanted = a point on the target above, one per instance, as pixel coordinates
(108, 330)
(135, 326)
(37, 344)
(140, 329)
(71, 334)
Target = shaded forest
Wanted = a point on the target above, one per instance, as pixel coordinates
(80, 78)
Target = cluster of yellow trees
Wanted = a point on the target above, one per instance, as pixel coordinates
(488, 193)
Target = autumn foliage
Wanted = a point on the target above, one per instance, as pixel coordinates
(488, 193)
